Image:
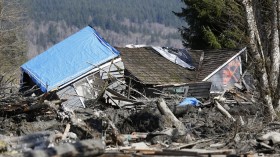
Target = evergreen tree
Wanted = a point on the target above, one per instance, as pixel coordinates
(212, 24)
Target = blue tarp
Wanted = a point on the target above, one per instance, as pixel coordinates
(69, 59)
(190, 101)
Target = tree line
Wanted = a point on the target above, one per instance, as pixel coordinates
(105, 13)
(125, 19)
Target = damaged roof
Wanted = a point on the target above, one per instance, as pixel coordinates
(70, 58)
(213, 59)
(149, 67)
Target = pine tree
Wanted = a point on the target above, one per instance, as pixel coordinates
(212, 24)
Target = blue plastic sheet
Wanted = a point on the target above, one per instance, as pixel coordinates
(69, 59)
(190, 101)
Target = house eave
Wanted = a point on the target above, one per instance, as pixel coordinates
(220, 67)
(117, 59)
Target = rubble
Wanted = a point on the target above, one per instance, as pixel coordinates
(226, 124)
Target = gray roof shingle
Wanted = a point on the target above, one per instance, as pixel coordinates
(149, 67)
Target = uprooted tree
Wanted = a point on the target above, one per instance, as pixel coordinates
(211, 20)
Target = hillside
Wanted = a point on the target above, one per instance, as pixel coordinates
(119, 22)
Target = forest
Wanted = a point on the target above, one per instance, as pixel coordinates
(105, 13)
(119, 22)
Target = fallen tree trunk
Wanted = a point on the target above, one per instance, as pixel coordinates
(27, 141)
(223, 110)
(164, 110)
(84, 148)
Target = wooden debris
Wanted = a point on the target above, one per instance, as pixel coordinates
(192, 144)
(86, 148)
(135, 136)
(164, 109)
(66, 131)
(273, 136)
(212, 131)
(223, 110)
(28, 141)
(208, 152)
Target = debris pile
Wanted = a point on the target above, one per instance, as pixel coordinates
(229, 123)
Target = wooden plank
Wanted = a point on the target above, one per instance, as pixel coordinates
(129, 90)
(209, 152)
(199, 93)
(105, 76)
(199, 90)
(123, 99)
(89, 147)
(186, 91)
(114, 67)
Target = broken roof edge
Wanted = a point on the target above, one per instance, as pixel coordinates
(116, 59)
(220, 67)
(181, 84)
(66, 80)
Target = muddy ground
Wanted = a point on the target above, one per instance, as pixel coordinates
(204, 122)
(46, 123)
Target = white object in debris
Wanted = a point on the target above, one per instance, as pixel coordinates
(273, 136)
(140, 145)
(135, 46)
(173, 58)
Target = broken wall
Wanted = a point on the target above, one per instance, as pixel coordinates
(226, 76)
(91, 86)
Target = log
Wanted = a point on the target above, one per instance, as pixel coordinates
(117, 138)
(271, 136)
(201, 152)
(223, 110)
(66, 131)
(27, 141)
(164, 110)
(84, 148)
(192, 144)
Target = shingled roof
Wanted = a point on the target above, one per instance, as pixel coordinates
(149, 67)
(213, 59)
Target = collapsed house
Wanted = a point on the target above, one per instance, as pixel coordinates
(74, 68)
(85, 67)
(195, 73)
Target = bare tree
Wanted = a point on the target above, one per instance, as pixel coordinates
(263, 31)
(12, 45)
